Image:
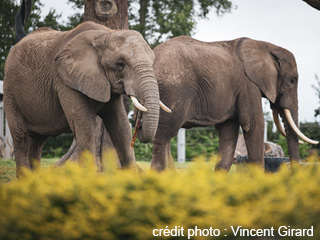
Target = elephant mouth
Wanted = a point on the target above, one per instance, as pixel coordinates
(292, 124)
(139, 109)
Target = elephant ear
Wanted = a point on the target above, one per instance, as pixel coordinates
(260, 65)
(78, 66)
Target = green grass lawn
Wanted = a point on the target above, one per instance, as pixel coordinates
(8, 167)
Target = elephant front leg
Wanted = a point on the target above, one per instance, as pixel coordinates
(254, 139)
(116, 122)
(252, 123)
(161, 155)
(228, 136)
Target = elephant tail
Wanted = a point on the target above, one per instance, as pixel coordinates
(21, 18)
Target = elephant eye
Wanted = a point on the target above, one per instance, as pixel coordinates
(120, 66)
(293, 80)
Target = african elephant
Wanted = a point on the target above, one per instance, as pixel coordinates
(222, 84)
(57, 82)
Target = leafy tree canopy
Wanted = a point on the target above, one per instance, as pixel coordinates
(8, 10)
(156, 20)
(162, 19)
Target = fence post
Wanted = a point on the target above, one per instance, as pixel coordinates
(181, 144)
(265, 131)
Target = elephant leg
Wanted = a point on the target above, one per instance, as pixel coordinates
(228, 136)
(84, 135)
(35, 145)
(253, 132)
(251, 120)
(255, 143)
(21, 154)
(161, 155)
(19, 135)
(169, 157)
(81, 116)
(27, 152)
(116, 122)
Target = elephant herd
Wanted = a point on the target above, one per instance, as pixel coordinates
(58, 82)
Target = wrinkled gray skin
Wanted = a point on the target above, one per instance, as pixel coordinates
(222, 84)
(57, 82)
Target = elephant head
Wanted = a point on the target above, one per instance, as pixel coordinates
(274, 70)
(101, 63)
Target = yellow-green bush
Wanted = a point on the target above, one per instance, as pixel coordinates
(77, 203)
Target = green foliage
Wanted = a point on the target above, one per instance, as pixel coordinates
(143, 151)
(8, 10)
(7, 170)
(199, 141)
(163, 19)
(312, 130)
(58, 146)
(317, 89)
(160, 20)
(77, 203)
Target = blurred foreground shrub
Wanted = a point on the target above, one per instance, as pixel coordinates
(77, 203)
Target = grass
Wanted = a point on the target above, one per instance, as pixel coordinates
(8, 167)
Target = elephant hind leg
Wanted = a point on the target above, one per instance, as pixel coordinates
(228, 136)
(27, 151)
(35, 145)
(21, 155)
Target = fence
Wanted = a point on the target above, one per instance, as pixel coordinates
(6, 145)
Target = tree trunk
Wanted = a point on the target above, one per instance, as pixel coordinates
(111, 13)
(143, 15)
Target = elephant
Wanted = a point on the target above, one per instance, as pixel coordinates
(222, 84)
(58, 82)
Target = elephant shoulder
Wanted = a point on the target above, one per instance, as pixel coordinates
(174, 45)
(43, 29)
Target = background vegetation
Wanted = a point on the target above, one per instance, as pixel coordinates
(77, 203)
(157, 21)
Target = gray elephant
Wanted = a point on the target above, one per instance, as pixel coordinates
(57, 82)
(222, 84)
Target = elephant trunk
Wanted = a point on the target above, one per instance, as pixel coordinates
(147, 92)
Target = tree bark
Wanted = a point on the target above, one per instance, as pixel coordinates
(111, 13)
(143, 15)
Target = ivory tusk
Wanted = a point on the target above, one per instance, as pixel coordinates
(165, 108)
(277, 122)
(278, 125)
(296, 129)
(137, 104)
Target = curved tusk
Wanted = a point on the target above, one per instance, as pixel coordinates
(278, 125)
(137, 104)
(165, 108)
(277, 122)
(296, 129)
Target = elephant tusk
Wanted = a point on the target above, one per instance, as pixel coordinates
(165, 108)
(296, 129)
(278, 125)
(277, 122)
(137, 104)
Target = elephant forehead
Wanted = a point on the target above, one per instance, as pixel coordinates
(129, 37)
